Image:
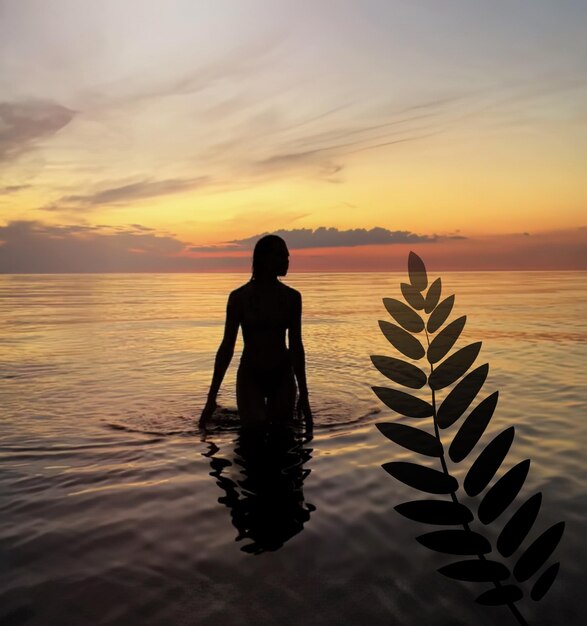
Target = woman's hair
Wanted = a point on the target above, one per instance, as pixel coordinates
(263, 248)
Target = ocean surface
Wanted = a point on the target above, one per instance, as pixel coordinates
(115, 510)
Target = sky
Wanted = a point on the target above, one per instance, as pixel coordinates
(168, 135)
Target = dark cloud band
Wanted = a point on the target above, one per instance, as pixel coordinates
(324, 237)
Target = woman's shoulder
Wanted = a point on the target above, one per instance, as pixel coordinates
(237, 296)
(240, 291)
(292, 296)
(247, 291)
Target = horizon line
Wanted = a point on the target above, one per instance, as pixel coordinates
(289, 273)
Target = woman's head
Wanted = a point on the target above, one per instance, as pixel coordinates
(270, 257)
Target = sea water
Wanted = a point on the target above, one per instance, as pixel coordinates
(115, 509)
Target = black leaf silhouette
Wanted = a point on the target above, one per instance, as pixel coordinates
(502, 494)
(400, 372)
(461, 396)
(404, 315)
(538, 553)
(422, 478)
(445, 340)
(438, 512)
(404, 403)
(440, 314)
(433, 296)
(515, 531)
(476, 571)
(413, 296)
(412, 438)
(454, 367)
(417, 272)
(472, 429)
(455, 542)
(400, 339)
(501, 595)
(495, 499)
(543, 584)
(488, 462)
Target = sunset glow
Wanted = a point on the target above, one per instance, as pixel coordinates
(140, 135)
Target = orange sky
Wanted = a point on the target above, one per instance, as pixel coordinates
(135, 137)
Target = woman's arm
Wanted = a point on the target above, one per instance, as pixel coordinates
(224, 354)
(298, 355)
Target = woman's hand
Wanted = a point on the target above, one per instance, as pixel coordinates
(304, 409)
(207, 412)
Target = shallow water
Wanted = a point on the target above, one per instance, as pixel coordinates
(116, 510)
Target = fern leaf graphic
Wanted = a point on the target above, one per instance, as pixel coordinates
(422, 329)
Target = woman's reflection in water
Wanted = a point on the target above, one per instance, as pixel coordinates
(265, 498)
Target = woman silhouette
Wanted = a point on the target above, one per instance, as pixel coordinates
(265, 308)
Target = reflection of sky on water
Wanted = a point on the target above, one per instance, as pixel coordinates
(107, 491)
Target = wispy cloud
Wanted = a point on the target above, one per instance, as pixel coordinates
(24, 124)
(239, 62)
(317, 146)
(124, 194)
(312, 146)
(8, 189)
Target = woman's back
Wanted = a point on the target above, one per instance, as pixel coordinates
(265, 313)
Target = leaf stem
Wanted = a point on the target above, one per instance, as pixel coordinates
(512, 606)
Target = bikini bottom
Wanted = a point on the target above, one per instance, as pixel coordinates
(266, 381)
